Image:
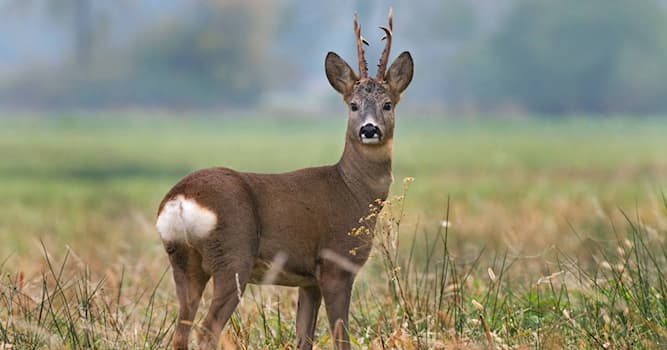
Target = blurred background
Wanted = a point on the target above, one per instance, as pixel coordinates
(527, 113)
(472, 56)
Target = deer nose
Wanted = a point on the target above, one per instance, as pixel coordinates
(370, 132)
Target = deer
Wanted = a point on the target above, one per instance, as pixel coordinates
(235, 227)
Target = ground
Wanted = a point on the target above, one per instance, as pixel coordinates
(516, 232)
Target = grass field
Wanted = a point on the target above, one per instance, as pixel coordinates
(554, 236)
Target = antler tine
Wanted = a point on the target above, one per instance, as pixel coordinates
(363, 66)
(384, 58)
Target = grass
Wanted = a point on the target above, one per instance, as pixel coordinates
(515, 233)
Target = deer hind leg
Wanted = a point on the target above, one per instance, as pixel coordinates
(306, 316)
(190, 280)
(228, 287)
(229, 254)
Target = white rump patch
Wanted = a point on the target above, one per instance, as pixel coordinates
(183, 218)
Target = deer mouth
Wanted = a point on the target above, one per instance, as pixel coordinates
(370, 134)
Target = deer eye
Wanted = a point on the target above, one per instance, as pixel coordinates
(387, 106)
(354, 107)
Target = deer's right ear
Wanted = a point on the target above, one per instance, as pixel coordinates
(339, 73)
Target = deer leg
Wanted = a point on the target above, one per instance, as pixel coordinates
(306, 316)
(228, 287)
(336, 286)
(190, 281)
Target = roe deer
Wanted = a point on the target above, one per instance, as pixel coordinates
(230, 226)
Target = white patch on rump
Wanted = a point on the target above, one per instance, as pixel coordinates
(182, 218)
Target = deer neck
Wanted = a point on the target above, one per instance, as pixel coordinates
(367, 170)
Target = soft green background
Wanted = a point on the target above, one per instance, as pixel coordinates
(59, 173)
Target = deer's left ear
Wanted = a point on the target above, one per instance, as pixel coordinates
(339, 73)
(399, 75)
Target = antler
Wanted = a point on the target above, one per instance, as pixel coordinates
(382, 66)
(363, 66)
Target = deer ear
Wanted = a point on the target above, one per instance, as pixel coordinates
(339, 73)
(399, 75)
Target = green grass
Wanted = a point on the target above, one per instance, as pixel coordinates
(579, 200)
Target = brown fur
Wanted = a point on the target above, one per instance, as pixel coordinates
(305, 215)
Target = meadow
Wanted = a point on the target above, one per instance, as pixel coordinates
(516, 233)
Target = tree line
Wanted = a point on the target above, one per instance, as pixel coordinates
(551, 57)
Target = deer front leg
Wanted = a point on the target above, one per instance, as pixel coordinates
(306, 316)
(336, 285)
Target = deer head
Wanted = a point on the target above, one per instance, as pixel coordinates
(370, 100)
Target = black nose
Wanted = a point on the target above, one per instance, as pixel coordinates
(370, 131)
